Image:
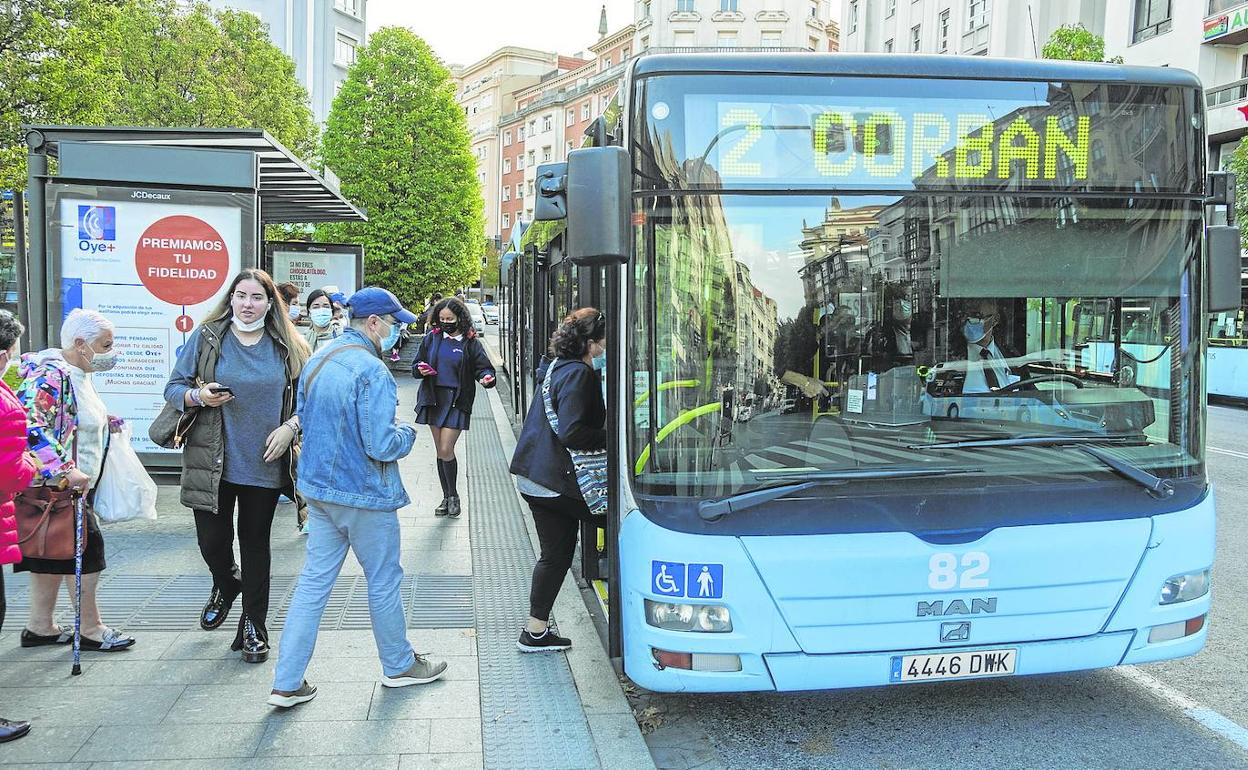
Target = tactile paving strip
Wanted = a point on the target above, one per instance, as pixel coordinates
(531, 714)
(173, 602)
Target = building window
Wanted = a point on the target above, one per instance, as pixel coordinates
(624, 55)
(890, 8)
(548, 123)
(546, 154)
(888, 45)
(567, 148)
(725, 39)
(585, 111)
(569, 117)
(507, 138)
(1152, 18)
(506, 220)
(944, 31)
(348, 6)
(506, 165)
(532, 157)
(853, 16)
(519, 162)
(977, 13)
(728, 6)
(772, 37)
(814, 9)
(530, 187)
(813, 43)
(520, 191)
(684, 38)
(684, 6)
(916, 38)
(645, 9)
(344, 49)
(645, 43)
(506, 192)
(532, 132)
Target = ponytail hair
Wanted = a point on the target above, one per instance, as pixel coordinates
(574, 334)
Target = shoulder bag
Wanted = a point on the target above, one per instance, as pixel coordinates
(45, 515)
(590, 465)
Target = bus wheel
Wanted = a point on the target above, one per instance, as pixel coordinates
(953, 412)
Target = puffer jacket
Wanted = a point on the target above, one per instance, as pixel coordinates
(204, 452)
(16, 470)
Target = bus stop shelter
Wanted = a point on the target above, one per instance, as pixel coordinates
(149, 226)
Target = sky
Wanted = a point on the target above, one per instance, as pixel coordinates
(466, 31)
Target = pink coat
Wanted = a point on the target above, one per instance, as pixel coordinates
(16, 470)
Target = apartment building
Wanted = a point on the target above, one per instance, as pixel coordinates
(486, 90)
(681, 25)
(551, 117)
(321, 36)
(1010, 28)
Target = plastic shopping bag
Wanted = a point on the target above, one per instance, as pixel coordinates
(125, 490)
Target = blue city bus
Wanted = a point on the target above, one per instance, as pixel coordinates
(906, 364)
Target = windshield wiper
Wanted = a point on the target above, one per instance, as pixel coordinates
(1156, 485)
(713, 510)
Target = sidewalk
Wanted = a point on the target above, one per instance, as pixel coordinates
(180, 698)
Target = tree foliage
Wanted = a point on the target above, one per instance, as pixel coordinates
(143, 63)
(1075, 42)
(399, 144)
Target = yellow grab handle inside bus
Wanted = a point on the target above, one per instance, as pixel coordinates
(644, 397)
(683, 419)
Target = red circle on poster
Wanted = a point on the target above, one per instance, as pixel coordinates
(182, 260)
(184, 323)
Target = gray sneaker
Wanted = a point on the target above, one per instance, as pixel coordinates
(423, 671)
(284, 699)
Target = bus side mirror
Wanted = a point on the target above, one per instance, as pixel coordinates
(599, 206)
(552, 193)
(1225, 266)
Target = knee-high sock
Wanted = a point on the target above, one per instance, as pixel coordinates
(452, 477)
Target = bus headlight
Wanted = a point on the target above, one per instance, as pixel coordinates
(702, 618)
(1185, 587)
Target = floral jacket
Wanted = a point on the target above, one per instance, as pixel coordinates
(47, 395)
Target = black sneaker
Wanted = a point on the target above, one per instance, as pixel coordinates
(548, 641)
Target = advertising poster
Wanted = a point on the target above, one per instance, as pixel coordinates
(155, 263)
(316, 265)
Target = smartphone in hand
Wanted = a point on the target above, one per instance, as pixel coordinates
(223, 389)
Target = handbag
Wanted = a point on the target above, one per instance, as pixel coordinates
(590, 465)
(45, 522)
(170, 428)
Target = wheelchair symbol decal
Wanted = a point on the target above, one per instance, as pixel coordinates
(667, 578)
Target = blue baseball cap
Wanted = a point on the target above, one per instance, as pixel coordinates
(375, 300)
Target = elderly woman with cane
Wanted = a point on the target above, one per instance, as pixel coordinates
(68, 430)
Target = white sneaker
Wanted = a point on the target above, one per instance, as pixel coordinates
(423, 671)
(285, 700)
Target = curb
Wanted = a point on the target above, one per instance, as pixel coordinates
(617, 737)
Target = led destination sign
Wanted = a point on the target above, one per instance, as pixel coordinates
(749, 131)
(891, 147)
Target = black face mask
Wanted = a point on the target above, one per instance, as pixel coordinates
(451, 328)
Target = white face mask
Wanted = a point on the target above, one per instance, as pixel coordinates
(14, 356)
(101, 362)
(255, 325)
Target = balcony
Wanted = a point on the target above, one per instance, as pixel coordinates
(1230, 27)
(684, 16)
(777, 16)
(726, 16)
(1227, 110)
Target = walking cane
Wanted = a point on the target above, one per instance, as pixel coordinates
(79, 518)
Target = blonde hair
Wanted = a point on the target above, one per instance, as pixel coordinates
(276, 320)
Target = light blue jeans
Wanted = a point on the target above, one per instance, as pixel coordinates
(374, 537)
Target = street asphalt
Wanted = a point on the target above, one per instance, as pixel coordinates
(1142, 718)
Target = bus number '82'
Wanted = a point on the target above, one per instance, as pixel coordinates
(944, 575)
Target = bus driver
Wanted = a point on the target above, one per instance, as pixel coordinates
(987, 367)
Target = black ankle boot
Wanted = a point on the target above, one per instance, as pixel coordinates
(255, 648)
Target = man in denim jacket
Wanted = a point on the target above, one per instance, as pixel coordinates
(349, 474)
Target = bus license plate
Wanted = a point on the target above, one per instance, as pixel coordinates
(953, 665)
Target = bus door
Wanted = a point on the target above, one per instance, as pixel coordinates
(590, 290)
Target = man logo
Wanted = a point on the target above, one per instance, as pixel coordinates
(955, 632)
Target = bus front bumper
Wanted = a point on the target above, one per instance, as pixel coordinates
(801, 671)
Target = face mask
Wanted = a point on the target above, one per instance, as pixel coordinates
(255, 325)
(600, 361)
(451, 328)
(974, 330)
(321, 316)
(391, 339)
(295, 313)
(14, 356)
(102, 362)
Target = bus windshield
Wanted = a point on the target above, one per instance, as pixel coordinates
(797, 334)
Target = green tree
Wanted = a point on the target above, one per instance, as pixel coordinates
(400, 146)
(143, 63)
(1076, 43)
